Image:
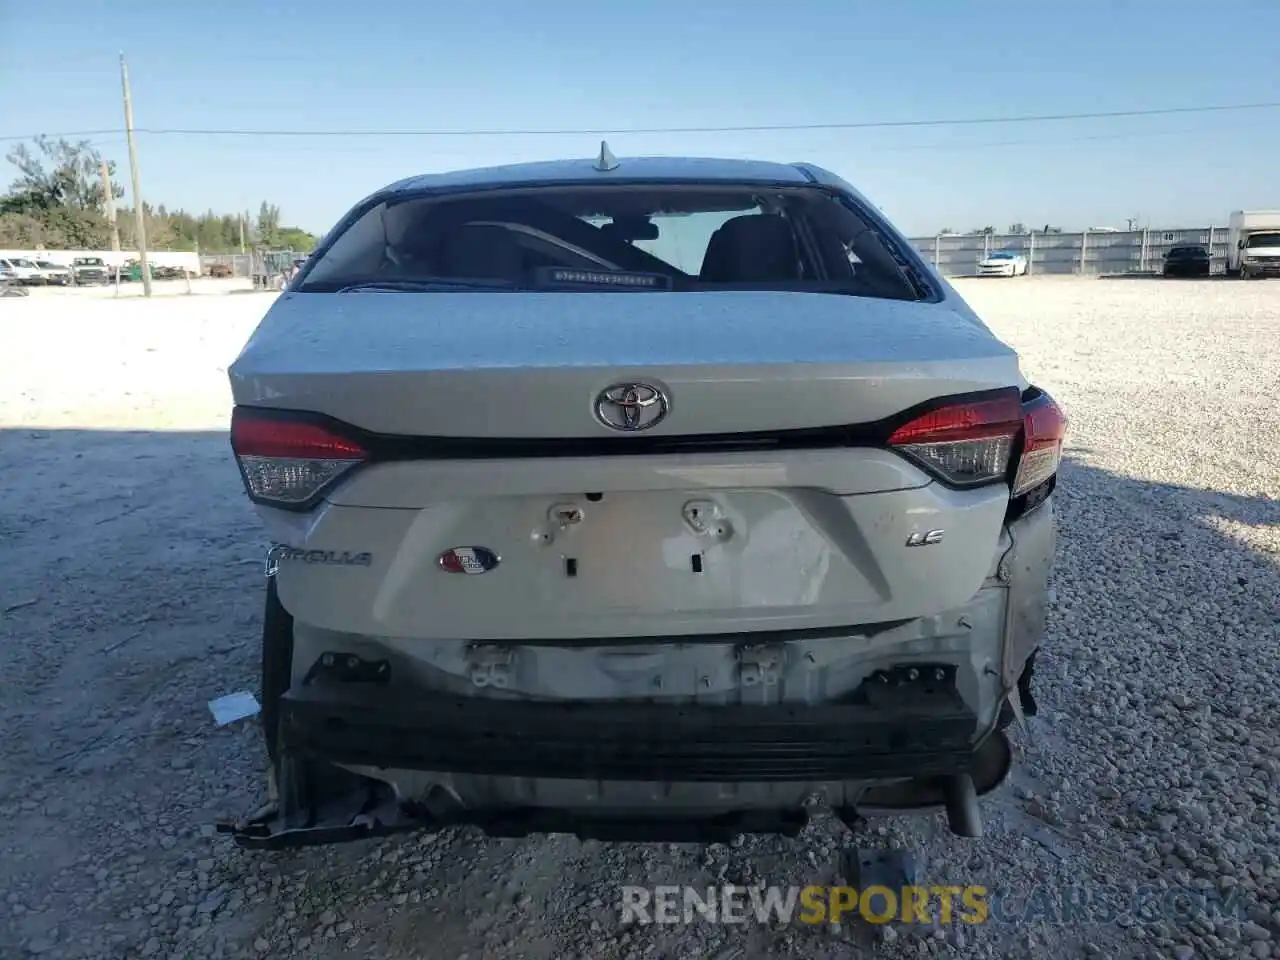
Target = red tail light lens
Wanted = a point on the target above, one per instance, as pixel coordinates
(967, 443)
(1045, 427)
(288, 462)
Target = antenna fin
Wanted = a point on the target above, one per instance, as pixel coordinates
(606, 161)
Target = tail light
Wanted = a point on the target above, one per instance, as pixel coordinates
(286, 461)
(967, 443)
(1044, 428)
(970, 443)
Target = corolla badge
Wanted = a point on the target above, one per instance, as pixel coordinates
(331, 558)
(631, 406)
(468, 560)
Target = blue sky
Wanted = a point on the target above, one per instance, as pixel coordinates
(614, 64)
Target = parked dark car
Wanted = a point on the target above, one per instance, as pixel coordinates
(1187, 260)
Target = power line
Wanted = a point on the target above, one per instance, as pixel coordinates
(65, 134)
(750, 128)
(1037, 142)
(805, 146)
(623, 131)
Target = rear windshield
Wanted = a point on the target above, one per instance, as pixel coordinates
(637, 238)
(1263, 240)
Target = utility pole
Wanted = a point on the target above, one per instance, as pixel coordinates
(141, 224)
(240, 221)
(109, 199)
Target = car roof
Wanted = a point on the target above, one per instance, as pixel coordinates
(585, 171)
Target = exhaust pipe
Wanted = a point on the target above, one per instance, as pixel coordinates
(956, 794)
(961, 799)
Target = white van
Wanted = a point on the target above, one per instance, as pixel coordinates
(1253, 244)
(23, 270)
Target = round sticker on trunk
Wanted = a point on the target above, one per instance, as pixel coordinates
(468, 560)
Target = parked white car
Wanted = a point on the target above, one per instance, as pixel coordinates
(54, 273)
(616, 499)
(1003, 263)
(8, 283)
(23, 270)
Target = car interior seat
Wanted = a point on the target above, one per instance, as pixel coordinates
(752, 248)
(481, 251)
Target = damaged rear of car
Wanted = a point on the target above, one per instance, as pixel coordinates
(646, 500)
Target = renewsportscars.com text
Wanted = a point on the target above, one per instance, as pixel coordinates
(814, 904)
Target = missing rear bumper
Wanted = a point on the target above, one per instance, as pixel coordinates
(906, 730)
(274, 828)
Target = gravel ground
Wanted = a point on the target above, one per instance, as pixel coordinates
(131, 595)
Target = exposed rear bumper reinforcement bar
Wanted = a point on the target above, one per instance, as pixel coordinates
(905, 725)
(908, 724)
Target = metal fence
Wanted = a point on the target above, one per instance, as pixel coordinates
(1091, 252)
(264, 267)
(241, 264)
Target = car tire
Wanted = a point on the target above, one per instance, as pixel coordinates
(277, 665)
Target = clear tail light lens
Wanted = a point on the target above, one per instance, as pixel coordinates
(286, 461)
(967, 443)
(1044, 428)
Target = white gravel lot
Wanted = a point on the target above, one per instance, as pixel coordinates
(131, 590)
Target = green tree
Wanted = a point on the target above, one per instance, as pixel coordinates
(268, 225)
(61, 173)
(297, 239)
(57, 198)
(57, 202)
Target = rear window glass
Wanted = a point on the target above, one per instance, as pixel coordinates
(670, 238)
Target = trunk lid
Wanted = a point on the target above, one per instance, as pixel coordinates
(643, 545)
(736, 556)
(532, 365)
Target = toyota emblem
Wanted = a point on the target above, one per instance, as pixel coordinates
(631, 406)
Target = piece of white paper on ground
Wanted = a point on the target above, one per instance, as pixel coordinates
(233, 707)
